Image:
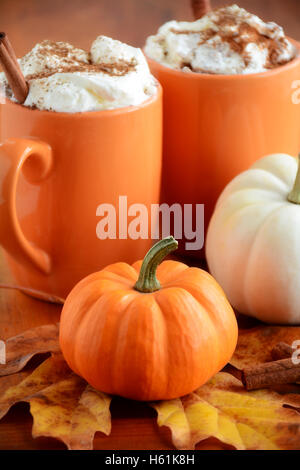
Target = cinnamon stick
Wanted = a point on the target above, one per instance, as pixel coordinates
(12, 69)
(282, 351)
(269, 374)
(200, 8)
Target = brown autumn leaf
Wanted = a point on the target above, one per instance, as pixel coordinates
(49, 372)
(21, 348)
(255, 345)
(223, 409)
(62, 404)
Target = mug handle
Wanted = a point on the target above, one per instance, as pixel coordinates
(13, 155)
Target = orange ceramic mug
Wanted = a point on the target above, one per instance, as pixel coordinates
(53, 180)
(216, 126)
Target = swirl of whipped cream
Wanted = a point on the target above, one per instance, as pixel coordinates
(63, 78)
(227, 40)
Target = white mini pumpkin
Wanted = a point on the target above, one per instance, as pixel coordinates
(253, 240)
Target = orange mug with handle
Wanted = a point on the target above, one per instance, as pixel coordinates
(55, 171)
(216, 126)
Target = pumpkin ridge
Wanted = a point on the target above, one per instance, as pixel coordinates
(166, 342)
(246, 207)
(266, 191)
(214, 340)
(206, 320)
(110, 275)
(93, 318)
(185, 274)
(157, 295)
(269, 170)
(129, 315)
(251, 254)
(166, 270)
(83, 304)
(113, 366)
(283, 185)
(213, 313)
(246, 184)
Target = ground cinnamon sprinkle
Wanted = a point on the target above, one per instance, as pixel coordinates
(72, 64)
(113, 69)
(239, 40)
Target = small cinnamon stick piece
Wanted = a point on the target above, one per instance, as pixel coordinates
(200, 8)
(282, 351)
(270, 374)
(12, 69)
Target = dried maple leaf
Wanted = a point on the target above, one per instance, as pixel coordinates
(49, 372)
(255, 345)
(21, 348)
(223, 409)
(62, 404)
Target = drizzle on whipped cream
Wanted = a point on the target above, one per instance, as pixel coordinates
(227, 40)
(63, 78)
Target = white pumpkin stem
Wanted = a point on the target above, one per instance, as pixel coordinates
(294, 195)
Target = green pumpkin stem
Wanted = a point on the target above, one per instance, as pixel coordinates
(294, 195)
(147, 281)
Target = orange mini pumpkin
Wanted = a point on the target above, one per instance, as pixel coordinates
(131, 334)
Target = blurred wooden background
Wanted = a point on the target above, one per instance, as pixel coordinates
(80, 21)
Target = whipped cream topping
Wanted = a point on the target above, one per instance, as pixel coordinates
(227, 40)
(64, 78)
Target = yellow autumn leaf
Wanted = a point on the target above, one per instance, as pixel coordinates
(171, 414)
(50, 371)
(62, 404)
(223, 409)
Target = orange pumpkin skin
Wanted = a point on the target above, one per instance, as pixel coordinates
(147, 346)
